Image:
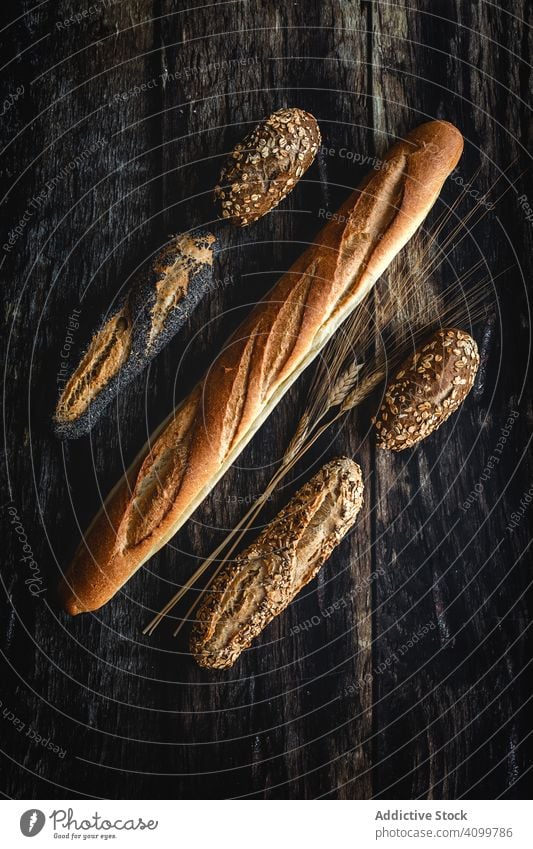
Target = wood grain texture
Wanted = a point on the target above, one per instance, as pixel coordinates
(116, 143)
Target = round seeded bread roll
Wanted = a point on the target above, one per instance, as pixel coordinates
(265, 167)
(429, 386)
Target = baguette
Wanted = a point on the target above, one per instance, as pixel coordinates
(283, 334)
(163, 294)
(288, 553)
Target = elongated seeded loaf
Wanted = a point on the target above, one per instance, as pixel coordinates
(263, 581)
(163, 295)
(282, 335)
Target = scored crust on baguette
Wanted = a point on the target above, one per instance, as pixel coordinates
(288, 553)
(161, 298)
(263, 358)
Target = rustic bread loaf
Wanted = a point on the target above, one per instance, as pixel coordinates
(429, 386)
(263, 581)
(287, 329)
(163, 295)
(263, 168)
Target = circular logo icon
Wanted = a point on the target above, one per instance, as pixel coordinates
(32, 822)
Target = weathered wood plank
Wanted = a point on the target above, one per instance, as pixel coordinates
(286, 695)
(452, 696)
(76, 252)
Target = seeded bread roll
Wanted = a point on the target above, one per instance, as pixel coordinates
(161, 299)
(190, 452)
(265, 167)
(429, 386)
(263, 581)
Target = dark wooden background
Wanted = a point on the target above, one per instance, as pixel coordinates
(300, 715)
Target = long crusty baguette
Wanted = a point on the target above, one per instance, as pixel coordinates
(265, 578)
(263, 358)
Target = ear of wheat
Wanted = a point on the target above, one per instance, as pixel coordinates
(387, 326)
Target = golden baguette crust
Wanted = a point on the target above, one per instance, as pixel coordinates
(277, 341)
(263, 581)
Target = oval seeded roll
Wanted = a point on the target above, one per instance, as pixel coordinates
(429, 386)
(265, 167)
(263, 581)
(163, 295)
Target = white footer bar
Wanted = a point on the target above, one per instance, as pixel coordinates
(267, 825)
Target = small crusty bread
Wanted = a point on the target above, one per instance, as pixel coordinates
(263, 581)
(263, 168)
(162, 297)
(428, 387)
(191, 451)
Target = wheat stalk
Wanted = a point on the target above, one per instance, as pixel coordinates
(344, 385)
